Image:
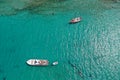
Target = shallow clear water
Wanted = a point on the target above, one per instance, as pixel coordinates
(88, 50)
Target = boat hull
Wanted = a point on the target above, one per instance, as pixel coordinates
(55, 63)
(37, 62)
(75, 20)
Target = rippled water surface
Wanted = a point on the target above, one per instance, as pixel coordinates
(88, 50)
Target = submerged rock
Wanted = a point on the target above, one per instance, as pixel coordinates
(80, 73)
(33, 6)
(78, 70)
(4, 78)
(111, 1)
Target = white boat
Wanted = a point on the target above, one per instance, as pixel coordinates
(37, 62)
(55, 63)
(75, 20)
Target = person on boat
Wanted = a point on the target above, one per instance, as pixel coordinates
(39, 62)
(77, 18)
(72, 20)
(35, 61)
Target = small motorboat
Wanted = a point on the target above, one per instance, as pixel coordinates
(75, 20)
(37, 62)
(55, 63)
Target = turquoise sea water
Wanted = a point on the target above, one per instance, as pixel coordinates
(88, 50)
